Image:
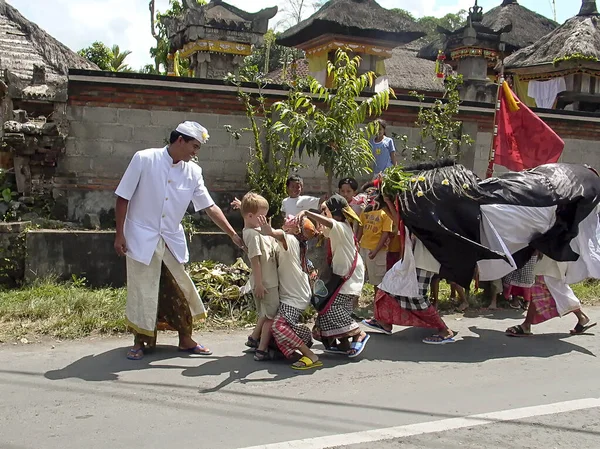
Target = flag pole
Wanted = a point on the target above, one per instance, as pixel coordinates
(492, 155)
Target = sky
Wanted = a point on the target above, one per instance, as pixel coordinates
(78, 23)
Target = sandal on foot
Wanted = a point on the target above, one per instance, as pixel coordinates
(517, 331)
(135, 354)
(198, 350)
(262, 356)
(438, 340)
(581, 329)
(334, 350)
(252, 342)
(358, 347)
(306, 363)
(374, 324)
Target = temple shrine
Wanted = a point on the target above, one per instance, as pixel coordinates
(561, 70)
(215, 38)
(361, 27)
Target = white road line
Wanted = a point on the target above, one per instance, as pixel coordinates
(390, 433)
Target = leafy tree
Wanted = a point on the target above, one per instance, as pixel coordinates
(441, 133)
(269, 56)
(117, 62)
(450, 21)
(99, 54)
(329, 123)
(272, 155)
(159, 32)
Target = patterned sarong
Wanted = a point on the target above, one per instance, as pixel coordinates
(288, 333)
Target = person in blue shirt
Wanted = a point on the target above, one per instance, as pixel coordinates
(383, 149)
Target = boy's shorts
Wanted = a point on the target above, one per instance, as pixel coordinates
(376, 268)
(269, 304)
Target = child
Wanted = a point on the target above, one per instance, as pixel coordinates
(264, 280)
(296, 202)
(373, 236)
(294, 290)
(335, 321)
(348, 188)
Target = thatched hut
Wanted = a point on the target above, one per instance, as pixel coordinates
(568, 59)
(406, 72)
(361, 26)
(527, 27)
(24, 45)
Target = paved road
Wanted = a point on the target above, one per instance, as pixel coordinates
(86, 394)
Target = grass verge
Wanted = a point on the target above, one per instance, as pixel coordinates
(70, 310)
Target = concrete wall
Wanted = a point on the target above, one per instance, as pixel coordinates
(90, 254)
(113, 117)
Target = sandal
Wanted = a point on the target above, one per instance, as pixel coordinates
(374, 324)
(358, 347)
(252, 343)
(135, 354)
(581, 329)
(438, 340)
(262, 356)
(198, 350)
(306, 363)
(517, 331)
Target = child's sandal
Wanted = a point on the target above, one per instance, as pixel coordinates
(262, 356)
(252, 343)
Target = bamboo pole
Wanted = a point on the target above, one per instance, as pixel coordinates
(492, 154)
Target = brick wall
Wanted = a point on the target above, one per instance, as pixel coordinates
(112, 117)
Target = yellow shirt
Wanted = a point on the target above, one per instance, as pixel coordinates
(374, 224)
(395, 244)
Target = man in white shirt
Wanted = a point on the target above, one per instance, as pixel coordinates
(152, 198)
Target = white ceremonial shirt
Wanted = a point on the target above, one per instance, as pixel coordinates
(159, 193)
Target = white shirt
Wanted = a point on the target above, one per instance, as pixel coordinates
(159, 193)
(294, 287)
(343, 250)
(293, 206)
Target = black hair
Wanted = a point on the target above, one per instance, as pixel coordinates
(383, 124)
(294, 178)
(353, 183)
(176, 135)
(379, 201)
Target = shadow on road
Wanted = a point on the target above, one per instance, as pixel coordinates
(402, 346)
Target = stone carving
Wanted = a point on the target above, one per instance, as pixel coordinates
(217, 28)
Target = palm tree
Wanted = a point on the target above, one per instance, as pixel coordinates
(117, 63)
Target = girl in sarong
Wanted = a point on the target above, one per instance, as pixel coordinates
(335, 321)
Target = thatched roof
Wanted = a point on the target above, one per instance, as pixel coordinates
(23, 44)
(527, 27)
(579, 35)
(405, 71)
(357, 18)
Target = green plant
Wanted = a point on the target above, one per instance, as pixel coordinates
(330, 123)
(271, 159)
(439, 126)
(6, 195)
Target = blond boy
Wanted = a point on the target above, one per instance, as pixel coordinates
(264, 280)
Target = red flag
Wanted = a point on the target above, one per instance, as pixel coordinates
(523, 141)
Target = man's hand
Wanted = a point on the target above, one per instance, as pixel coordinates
(259, 291)
(120, 245)
(372, 254)
(265, 226)
(238, 241)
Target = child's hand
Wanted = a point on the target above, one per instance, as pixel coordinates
(259, 291)
(265, 226)
(236, 204)
(372, 254)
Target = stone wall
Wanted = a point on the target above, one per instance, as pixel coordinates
(111, 116)
(90, 254)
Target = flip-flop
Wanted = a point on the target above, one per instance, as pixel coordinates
(135, 354)
(581, 329)
(518, 332)
(252, 343)
(438, 340)
(374, 324)
(358, 346)
(334, 350)
(308, 364)
(197, 350)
